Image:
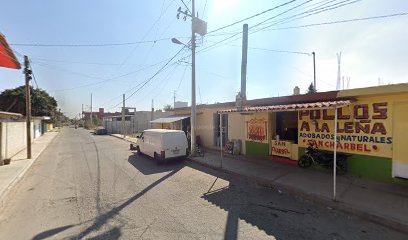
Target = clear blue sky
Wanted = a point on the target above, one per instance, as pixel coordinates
(370, 49)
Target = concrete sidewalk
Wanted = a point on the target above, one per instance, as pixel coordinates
(383, 203)
(11, 174)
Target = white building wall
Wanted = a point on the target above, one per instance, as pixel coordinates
(12, 139)
(137, 124)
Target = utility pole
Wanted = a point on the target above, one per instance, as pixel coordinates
(193, 83)
(314, 71)
(197, 26)
(27, 73)
(123, 117)
(174, 99)
(91, 113)
(152, 115)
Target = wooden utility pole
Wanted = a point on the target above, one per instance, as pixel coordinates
(123, 116)
(27, 73)
(91, 125)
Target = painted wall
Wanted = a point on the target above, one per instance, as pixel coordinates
(13, 138)
(258, 134)
(236, 129)
(366, 132)
(205, 126)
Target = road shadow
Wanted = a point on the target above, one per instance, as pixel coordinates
(242, 204)
(148, 165)
(51, 232)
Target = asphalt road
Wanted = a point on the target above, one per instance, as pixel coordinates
(92, 187)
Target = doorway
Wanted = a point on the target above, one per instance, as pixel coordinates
(216, 121)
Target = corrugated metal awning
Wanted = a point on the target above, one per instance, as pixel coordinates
(291, 107)
(170, 119)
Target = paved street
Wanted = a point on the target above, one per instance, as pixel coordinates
(92, 187)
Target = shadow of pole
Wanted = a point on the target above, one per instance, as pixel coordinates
(51, 232)
(102, 219)
(231, 228)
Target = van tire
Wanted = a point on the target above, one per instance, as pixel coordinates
(138, 150)
(157, 158)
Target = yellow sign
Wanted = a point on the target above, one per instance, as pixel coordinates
(282, 148)
(362, 128)
(257, 130)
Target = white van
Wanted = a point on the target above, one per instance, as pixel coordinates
(162, 144)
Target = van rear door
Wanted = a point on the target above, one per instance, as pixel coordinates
(175, 144)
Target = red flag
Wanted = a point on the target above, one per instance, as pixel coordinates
(7, 57)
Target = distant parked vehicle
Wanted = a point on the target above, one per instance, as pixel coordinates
(100, 131)
(162, 144)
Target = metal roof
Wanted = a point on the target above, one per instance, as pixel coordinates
(170, 119)
(10, 115)
(291, 107)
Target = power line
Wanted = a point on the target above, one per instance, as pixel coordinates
(311, 12)
(152, 77)
(32, 72)
(270, 50)
(342, 21)
(89, 45)
(256, 15)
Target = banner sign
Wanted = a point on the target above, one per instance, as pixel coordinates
(361, 129)
(257, 130)
(282, 148)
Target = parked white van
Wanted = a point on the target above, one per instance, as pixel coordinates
(162, 144)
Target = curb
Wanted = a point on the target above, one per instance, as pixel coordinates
(17, 179)
(127, 140)
(341, 206)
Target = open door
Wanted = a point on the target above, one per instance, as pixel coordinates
(400, 141)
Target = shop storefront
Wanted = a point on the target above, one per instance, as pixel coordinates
(371, 126)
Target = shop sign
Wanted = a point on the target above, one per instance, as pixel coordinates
(282, 148)
(361, 129)
(257, 130)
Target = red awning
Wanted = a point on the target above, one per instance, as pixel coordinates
(291, 107)
(7, 57)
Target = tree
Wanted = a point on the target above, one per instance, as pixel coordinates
(168, 108)
(311, 89)
(42, 104)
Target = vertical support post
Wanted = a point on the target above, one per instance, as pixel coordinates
(193, 83)
(28, 106)
(152, 115)
(123, 117)
(221, 137)
(82, 115)
(314, 71)
(134, 124)
(244, 61)
(91, 113)
(174, 99)
(335, 154)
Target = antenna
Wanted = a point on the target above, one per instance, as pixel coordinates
(174, 99)
(199, 93)
(348, 82)
(338, 70)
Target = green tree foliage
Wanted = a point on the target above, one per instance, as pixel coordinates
(167, 108)
(42, 104)
(311, 89)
